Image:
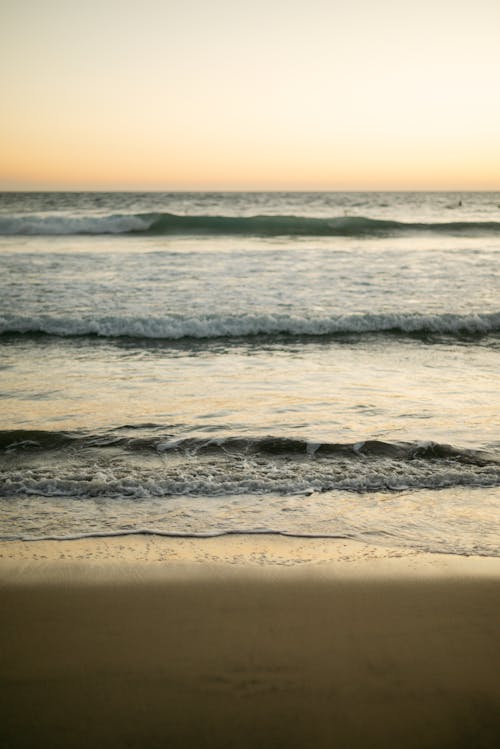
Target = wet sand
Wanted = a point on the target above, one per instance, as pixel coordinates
(246, 642)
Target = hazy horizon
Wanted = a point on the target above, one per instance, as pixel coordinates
(222, 191)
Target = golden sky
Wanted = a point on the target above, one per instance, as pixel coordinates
(268, 94)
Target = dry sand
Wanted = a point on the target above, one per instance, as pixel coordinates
(246, 642)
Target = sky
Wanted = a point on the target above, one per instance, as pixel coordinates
(268, 94)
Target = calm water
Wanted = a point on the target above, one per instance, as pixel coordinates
(318, 364)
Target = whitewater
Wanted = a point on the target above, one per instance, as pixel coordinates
(315, 364)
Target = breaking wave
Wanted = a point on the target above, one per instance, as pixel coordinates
(235, 478)
(270, 226)
(213, 326)
(150, 479)
(232, 466)
(162, 440)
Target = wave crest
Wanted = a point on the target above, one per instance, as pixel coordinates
(234, 466)
(215, 326)
(165, 223)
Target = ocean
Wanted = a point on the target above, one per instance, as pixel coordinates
(200, 364)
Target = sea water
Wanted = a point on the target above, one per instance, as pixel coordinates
(315, 364)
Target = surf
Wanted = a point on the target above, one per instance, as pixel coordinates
(216, 326)
(165, 223)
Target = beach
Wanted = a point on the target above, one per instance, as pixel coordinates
(249, 470)
(144, 641)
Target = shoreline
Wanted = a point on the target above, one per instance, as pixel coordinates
(246, 642)
(252, 551)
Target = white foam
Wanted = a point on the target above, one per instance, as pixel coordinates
(223, 326)
(224, 477)
(57, 224)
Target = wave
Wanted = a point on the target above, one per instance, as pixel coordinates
(231, 466)
(232, 478)
(74, 485)
(263, 226)
(157, 438)
(212, 326)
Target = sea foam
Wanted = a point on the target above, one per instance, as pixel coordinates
(237, 326)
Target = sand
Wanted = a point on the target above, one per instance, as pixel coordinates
(246, 642)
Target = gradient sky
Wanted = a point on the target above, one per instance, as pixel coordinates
(276, 94)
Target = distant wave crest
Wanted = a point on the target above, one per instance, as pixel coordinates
(214, 326)
(270, 226)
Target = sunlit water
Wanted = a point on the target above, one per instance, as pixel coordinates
(165, 370)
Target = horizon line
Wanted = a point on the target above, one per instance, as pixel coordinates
(243, 190)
